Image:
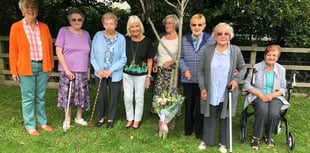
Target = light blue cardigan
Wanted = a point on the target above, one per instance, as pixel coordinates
(98, 51)
(279, 83)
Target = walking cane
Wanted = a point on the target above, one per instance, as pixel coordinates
(230, 118)
(68, 105)
(96, 99)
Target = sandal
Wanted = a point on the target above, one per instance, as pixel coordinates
(254, 143)
(269, 142)
(129, 124)
(136, 125)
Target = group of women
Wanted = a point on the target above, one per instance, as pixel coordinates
(209, 65)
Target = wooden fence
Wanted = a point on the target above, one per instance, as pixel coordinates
(252, 55)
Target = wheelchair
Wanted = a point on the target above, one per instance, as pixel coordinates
(290, 141)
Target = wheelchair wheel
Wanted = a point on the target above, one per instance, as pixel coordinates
(242, 134)
(291, 141)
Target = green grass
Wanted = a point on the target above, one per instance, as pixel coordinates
(13, 137)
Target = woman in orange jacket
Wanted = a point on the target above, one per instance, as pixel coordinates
(31, 61)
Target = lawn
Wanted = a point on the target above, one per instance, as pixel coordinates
(13, 137)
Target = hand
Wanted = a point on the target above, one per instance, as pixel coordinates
(15, 78)
(188, 75)
(147, 82)
(233, 84)
(69, 75)
(204, 94)
(106, 73)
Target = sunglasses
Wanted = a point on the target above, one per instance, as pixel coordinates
(74, 20)
(194, 25)
(222, 34)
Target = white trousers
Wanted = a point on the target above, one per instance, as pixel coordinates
(134, 86)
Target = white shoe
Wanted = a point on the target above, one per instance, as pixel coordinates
(81, 122)
(202, 146)
(66, 125)
(222, 149)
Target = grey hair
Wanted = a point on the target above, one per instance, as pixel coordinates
(175, 20)
(226, 26)
(75, 11)
(21, 3)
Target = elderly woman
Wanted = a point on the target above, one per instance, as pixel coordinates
(72, 49)
(221, 66)
(193, 46)
(108, 57)
(31, 61)
(164, 64)
(137, 72)
(266, 86)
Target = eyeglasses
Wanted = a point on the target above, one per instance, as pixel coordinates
(194, 25)
(222, 34)
(74, 20)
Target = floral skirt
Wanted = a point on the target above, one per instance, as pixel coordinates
(79, 91)
(162, 82)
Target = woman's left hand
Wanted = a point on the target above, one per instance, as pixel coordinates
(147, 82)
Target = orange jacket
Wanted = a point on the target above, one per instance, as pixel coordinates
(19, 50)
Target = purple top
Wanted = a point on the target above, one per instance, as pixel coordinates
(76, 49)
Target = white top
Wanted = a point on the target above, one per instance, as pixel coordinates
(162, 55)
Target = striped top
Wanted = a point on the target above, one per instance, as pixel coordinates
(220, 65)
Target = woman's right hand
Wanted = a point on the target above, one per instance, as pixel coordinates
(15, 78)
(70, 75)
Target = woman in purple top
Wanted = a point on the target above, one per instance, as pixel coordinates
(72, 49)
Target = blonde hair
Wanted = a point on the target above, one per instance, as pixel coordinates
(134, 19)
(198, 16)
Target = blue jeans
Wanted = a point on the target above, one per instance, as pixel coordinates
(33, 92)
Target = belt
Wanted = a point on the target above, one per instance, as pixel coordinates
(38, 61)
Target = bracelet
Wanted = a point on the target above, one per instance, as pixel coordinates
(149, 75)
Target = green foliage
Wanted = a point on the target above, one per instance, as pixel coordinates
(119, 139)
(284, 22)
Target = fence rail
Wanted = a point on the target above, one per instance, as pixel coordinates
(251, 53)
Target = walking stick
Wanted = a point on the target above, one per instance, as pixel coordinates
(230, 118)
(68, 105)
(96, 99)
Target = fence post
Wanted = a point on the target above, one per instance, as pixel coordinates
(253, 55)
(2, 76)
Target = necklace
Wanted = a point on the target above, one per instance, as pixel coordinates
(134, 52)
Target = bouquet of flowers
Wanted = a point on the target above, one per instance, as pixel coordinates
(167, 106)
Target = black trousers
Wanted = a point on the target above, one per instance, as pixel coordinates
(193, 117)
(114, 89)
(209, 127)
(266, 115)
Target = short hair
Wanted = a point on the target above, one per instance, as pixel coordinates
(223, 25)
(75, 11)
(198, 16)
(270, 47)
(175, 20)
(21, 3)
(109, 15)
(134, 19)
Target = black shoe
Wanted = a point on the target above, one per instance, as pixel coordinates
(110, 125)
(99, 124)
